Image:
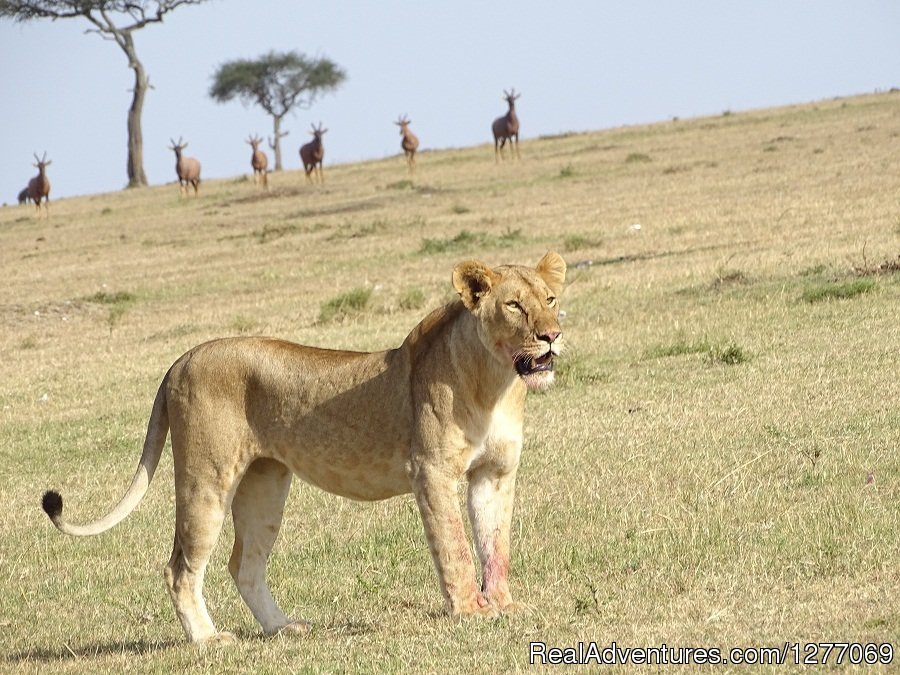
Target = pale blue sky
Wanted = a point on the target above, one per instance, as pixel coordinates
(580, 65)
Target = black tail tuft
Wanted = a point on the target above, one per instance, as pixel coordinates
(52, 503)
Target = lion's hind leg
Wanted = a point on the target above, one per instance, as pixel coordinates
(199, 518)
(258, 508)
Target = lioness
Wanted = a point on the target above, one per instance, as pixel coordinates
(247, 413)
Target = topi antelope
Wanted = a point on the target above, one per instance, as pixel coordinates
(311, 153)
(409, 143)
(506, 127)
(259, 161)
(39, 186)
(187, 168)
(23, 195)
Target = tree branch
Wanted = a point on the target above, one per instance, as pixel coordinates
(28, 10)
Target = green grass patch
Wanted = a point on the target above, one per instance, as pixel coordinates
(412, 298)
(118, 304)
(838, 290)
(116, 298)
(574, 369)
(348, 304)
(243, 325)
(504, 239)
(404, 184)
(558, 137)
(679, 347)
(729, 354)
(467, 240)
(568, 171)
(577, 242)
(637, 158)
(28, 342)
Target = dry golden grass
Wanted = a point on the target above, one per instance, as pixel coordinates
(718, 465)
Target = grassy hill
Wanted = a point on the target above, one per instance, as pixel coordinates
(718, 465)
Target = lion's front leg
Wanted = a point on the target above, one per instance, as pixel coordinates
(435, 493)
(491, 495)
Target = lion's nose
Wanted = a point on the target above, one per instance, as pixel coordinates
(549, 336)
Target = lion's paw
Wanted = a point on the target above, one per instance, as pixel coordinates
(476, 610)
(487, 612)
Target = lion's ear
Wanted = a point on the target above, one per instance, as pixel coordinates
(552, 269)
(472, 280)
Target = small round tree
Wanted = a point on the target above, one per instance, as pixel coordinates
(278, 82)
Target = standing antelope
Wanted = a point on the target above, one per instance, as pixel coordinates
(311, 153)
(187, 168)
(259, 161)
(506, 127)
(409, 143)
(39, 186)
(23, 195)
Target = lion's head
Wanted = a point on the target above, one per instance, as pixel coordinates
(518, 312)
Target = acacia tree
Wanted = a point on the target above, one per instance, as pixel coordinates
(278, 82)
(114, 20)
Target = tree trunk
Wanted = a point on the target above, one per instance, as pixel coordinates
(276, 143)
(135, 166)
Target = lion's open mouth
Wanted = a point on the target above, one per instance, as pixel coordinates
(526, 365)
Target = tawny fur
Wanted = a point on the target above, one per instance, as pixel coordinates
(259, 162)
(447, 405)
(39, 187)
(409, 143)
(187, 168)
(506, 128)
(312, 153)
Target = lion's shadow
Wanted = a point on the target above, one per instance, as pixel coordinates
(66, 653)
(150, 646)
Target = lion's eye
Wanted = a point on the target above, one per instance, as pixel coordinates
(551, 301)
(514, 306)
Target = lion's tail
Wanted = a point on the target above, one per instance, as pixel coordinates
(157, 430)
